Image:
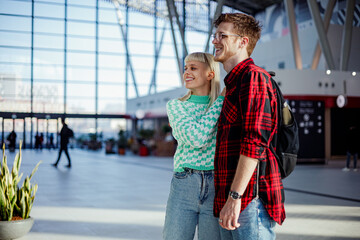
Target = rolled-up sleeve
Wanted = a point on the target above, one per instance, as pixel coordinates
(257, 121)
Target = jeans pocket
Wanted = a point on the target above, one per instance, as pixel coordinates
(264, 217)
(180, 175)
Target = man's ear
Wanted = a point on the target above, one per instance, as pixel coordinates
(244, 42)
(211, 75)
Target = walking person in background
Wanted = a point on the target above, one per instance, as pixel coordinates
(65, 134)
(352, 147)
(12, 141)
(41, 140)
(51, 141)
(193, 119)
(37, 141)
(249, 196)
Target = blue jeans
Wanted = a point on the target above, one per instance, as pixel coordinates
(349, 157)
(190, 204)
(255, 223)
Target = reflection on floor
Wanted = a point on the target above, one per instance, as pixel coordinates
(124, 197)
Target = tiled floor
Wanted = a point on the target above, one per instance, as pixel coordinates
(124, 197)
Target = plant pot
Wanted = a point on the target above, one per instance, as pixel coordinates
(143, 151)
(121, 151)
(15, 229)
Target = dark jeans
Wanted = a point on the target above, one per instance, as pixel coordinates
(349, 157)
(65, 149)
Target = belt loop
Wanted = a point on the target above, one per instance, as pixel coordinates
(188, 170)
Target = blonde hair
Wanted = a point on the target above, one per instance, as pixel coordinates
(208, 59)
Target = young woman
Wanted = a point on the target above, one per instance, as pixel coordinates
(193, 119)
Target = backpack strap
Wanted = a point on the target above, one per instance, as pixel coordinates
(279, 97)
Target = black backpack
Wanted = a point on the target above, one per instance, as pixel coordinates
(70, 133)
(287, 140)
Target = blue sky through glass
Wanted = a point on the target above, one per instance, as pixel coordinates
(53, 40)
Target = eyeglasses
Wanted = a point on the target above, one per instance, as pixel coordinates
(219, 36)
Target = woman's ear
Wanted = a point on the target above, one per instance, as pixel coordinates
(211, 75)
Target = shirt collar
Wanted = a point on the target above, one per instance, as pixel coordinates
(232, 75)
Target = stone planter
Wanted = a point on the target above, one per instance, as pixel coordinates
(15, 229)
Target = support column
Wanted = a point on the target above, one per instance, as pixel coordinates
(185, 52)
(327, 18)
(65, 56)
(97, 68)
(153, 80)
(289, 5)
(97, 59)
(24, 136)
(127, 57)
(134, 127)
(157, 128)
(125, 37)
(175, 43)
(347, 34)
(157, 53)
(217, 13)
(32, 75)
(324, 43)
(172, 8)
(47, 133)
(2, 132)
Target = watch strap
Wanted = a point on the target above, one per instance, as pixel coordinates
(235, 195)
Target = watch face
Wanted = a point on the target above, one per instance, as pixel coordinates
(234, 195)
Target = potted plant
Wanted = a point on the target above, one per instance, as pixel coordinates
(109, 146)
(15, 202)
(93, 143)
(122, 142)
(145, 136)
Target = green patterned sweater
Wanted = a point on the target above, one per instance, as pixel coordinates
(194, 126)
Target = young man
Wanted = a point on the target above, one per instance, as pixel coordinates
(249, 196)
(65, 134)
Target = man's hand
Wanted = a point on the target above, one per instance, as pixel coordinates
(229, 214)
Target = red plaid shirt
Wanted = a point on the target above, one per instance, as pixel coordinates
(246, 126)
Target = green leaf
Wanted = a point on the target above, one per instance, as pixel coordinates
(27, 184)
(35, 169)
(11, 210)
(28, 207)
(16, 165)
(23, 206)
(3, 214)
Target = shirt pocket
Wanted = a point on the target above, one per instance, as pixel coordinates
(230, 111)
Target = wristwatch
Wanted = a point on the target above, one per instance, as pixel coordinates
(235, 195)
